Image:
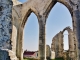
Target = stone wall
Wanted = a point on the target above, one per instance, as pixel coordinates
(5, 24)
(48, 52)
(41, 8)
(59, 52)
(5, 28)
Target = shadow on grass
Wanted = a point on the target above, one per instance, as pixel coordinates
(47, 59)
(58, 58)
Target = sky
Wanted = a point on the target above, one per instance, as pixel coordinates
(58, 19)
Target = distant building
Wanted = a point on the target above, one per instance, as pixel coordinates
(30, 54)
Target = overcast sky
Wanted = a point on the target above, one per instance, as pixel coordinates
(58, 19)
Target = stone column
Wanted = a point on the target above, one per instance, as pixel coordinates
(20, 44)
(42, 43)
(77, 16)
(76, 25)
(56, 46)
(17, 45)
(75, 47)
(75, 35)
(71, 45)
(60, 44)
(5, 28)
(14, 39)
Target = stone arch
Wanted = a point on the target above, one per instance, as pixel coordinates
(28, 10)
(64, 2)
(15, 25)
(41, 9)
(27, 15)
(59, 44)
(20, 35)
(68, 29)
(71, 42)
(70, 32)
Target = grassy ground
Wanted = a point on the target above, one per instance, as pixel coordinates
(58, 59)
(30, 59)
(50, 59)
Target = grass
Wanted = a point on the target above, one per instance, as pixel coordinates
(30, 59)
(50, 59)
(58, 58)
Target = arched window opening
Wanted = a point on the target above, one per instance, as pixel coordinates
(31, 34)
(58, 19)
(65, 41)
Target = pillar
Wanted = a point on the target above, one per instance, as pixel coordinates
(71, 45)
(76, 25)
(75, 35)
(14, 39)
(5, 28)
(42, 43)
(76, 16)
(20, 43)
(56, 46)
(60, 44)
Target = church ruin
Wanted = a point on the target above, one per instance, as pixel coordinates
(57, 44)
(13, 16)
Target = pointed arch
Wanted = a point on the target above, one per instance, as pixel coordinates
(51, 5)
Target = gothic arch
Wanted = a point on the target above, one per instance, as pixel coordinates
(26, 16)
(71, 42)
(64, 2)
(68, 29)
(41, 8)
(20, 35)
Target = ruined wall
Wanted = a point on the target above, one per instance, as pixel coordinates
(42, 8)
(48, 52)
(55, 45)
(5, 28)
(5, 24)
(60, 50)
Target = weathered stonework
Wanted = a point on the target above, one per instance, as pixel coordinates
(4, 55)
(48, 52)
(59, 52)
(5, 24)
(20, 14)
(5, 28)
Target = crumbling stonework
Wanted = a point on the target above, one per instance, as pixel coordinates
(48, 52)
(5, 28)
(5, 24)
(41, 9)
(59, 52)
(20, 14)
(57, 45)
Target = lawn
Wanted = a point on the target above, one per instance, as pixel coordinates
(58, 59)
(30, 59)
(50, 59)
